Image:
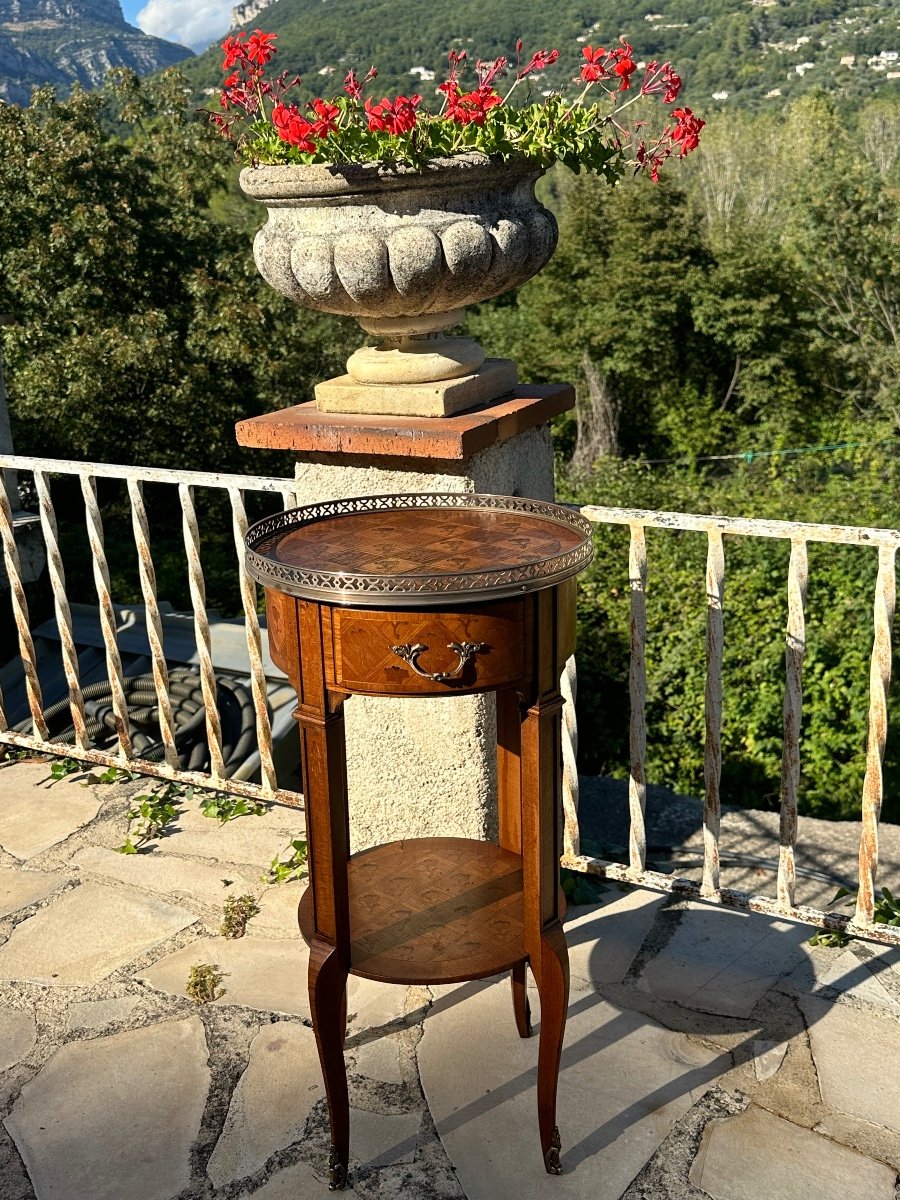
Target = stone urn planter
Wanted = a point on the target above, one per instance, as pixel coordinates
(404, 251)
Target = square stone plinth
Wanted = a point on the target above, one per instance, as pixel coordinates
(442, 398)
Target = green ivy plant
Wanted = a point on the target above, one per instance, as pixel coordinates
(153, 814)
(887, 912)
(204, 983)
(236, 912)
(224, 807)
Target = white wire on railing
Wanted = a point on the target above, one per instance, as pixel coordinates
(637, 693)
(879, 683)
(794, 651)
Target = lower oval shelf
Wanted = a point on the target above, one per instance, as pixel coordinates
(432, 910)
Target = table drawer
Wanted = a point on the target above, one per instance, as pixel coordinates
(429, 653)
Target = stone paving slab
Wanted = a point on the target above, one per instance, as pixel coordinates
(18, 1034)
(35, 814)
(165, 875)
(723, 962)
(86, 934)
(98, 1014)
(250, 841)
(20, 889)
(840, 973)
(259, 973)
(382, 1139)
(857, 1056)
(294, 1183)
(115, 1118)
(756, 1155)
(271, 1102)
(604, 938)
(277, 915)
(623, 1080)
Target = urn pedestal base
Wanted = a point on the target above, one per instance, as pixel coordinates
(441, 398)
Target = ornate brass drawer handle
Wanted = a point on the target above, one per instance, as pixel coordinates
(410, 651)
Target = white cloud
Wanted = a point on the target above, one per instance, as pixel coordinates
(194, 23)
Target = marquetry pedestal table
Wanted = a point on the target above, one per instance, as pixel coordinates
(429, 595)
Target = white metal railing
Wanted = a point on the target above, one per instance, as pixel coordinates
(81, 747)
(884, 542)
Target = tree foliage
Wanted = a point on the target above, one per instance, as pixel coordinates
(141, 329)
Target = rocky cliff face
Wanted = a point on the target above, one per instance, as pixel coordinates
(242, 14)
(62, 42)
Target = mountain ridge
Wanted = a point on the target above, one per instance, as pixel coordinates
(64, 42)
(754, 51)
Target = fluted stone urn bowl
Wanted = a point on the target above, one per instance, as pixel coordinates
(404, 250)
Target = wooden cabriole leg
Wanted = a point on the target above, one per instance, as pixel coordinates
(323, 757)
(327, 1004)
(545, 941)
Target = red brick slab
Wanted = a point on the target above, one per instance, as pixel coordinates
(304, 429)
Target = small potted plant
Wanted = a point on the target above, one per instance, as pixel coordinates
(400, 213)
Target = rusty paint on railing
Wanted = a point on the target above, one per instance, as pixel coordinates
(141, 529)
(141, 766)
(63, 612)
(688, 889)
(134, 478)
(20, 613)
(879, 684)
(712, 754)
(569, 688)
(846, 535)
(202, 636)
(794, 651)
(637, 692)
(114, 671)
(886, 542)
(240, 525)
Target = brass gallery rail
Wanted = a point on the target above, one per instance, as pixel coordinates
(882, 542)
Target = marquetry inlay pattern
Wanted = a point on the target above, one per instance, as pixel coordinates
(432, 910)
(362, 550)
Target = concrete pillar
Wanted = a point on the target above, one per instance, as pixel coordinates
(420, 768)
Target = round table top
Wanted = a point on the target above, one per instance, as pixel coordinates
(425, 548)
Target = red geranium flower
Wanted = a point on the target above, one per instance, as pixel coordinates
(539, 61)
(397, 116)
(624, 68)
(471, 108)
(593, 70)
(352, 86)
(488, 72)
(294, 128)
(327, 118)
(235, 51)
(687, 131)
(259, 47)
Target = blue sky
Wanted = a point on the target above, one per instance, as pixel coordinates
(193, 23)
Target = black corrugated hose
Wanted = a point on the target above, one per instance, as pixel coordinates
(234, 702)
